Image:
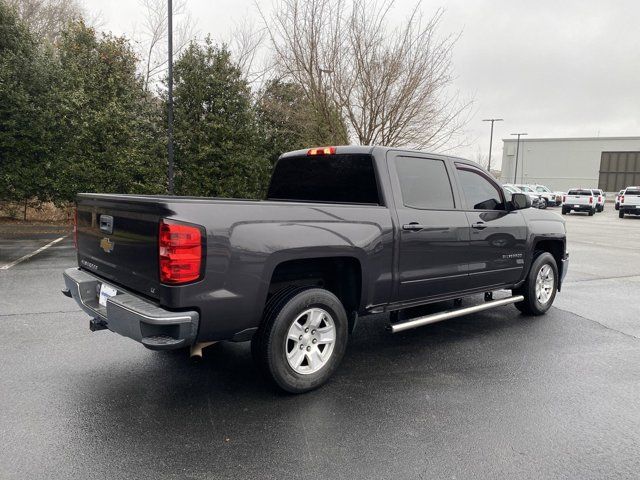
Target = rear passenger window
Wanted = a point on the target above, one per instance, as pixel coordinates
(424, 183)
(480, 193)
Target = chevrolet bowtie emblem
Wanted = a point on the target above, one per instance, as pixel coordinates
(106, 245)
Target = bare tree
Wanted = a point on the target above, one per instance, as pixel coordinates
(393, 86)
(48, 18)
(154, 36)
(247, 42)
(481, 159)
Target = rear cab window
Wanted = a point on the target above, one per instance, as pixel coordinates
(341, 178)
(587, 193)
(632, 191)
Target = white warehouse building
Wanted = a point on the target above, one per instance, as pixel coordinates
(609, 163)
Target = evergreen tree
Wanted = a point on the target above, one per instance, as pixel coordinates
(288, 121)
(27, 107)
(109, 134)
(217, 148)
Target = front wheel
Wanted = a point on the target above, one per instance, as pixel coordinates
(540, 287)
(302, 340)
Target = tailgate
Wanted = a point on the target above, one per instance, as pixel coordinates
(631, 197)
(118, 240)
(578, 199)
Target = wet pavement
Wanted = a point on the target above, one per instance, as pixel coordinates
(491, 395)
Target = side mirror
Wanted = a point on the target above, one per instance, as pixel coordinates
(520, 201)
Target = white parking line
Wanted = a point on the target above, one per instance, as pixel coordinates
(29, 255)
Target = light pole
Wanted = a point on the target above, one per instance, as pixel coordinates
(515, 170)
(492, 120)
(170, 94)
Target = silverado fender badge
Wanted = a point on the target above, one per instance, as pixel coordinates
(106, 245)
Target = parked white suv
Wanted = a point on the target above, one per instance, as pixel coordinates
(532, 193)
(579, 200)
(630, 202)
(617, 205)
(600, 199)
(550, 197)
(536, 202)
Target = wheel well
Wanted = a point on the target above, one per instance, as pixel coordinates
(342, 276)
(555, 248)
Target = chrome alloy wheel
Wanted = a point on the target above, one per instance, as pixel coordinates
(310, 341)
(544, 284)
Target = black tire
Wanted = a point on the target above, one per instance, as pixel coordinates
(621, 213)
(269, 344)
(565, 211)
(617, 207)
(592, 212)
(543, 204)
(531, 305)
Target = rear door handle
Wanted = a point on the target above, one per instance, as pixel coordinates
(412, 227)
(479, 226)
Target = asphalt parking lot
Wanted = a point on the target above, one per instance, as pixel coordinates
(491, 395)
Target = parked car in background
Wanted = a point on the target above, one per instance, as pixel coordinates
(535, 199)
(617, 204)
(559, 197)
(629, 202)
(600, 198)
(549, 196)
(531, 192)
(579, 200)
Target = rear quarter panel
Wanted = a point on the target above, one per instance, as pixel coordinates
(247, 240)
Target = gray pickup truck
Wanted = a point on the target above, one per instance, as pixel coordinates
(344, 232)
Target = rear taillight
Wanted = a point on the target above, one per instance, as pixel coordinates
(180, 252)
(590, 199)
(564, 198)
(599, 199)
(622, 199)
(75, 227)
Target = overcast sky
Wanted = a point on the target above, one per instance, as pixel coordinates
(549, 68)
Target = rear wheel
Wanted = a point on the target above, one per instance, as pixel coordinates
(592, 212)
(616, 206)
(621, 213)
(302, 340)
(565, 211)
(540, 287)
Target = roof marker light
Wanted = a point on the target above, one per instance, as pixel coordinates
(322, 151)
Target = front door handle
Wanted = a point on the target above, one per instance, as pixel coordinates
(412, 227)
(479, 226)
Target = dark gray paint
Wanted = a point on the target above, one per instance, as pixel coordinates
(246, 240)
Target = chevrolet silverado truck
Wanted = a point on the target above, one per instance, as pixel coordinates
(344, 232)
(629, 202)
(579, 200)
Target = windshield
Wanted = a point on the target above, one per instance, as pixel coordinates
(540, 188)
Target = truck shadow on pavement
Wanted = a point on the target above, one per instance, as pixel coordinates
(165, 403)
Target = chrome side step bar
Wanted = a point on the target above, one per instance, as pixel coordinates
(447, 314)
